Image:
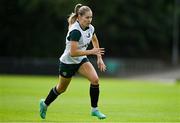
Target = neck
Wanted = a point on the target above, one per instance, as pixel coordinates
(82, 27)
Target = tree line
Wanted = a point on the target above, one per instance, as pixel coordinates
(126, 28)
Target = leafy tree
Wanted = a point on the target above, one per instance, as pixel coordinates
(126, 28)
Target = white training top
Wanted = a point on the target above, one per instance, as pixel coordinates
(84, 39)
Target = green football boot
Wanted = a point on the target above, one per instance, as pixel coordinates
(98, 114)
(43, 109)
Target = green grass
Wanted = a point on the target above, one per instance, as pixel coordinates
(121, 100)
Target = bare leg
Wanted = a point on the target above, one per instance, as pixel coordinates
(53, 94)
(88, 71)
(56, 91)
(63, 84)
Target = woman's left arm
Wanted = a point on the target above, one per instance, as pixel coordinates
(100, 62)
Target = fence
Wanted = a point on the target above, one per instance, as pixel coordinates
(49, 66)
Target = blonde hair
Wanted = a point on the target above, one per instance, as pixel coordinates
(79, 9)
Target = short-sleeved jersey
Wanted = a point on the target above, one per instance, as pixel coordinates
(83, 37)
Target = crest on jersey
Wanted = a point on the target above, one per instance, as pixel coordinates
(88, 35)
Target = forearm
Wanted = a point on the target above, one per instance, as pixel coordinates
(95, 43)
(77, 53)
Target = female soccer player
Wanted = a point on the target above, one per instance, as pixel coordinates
(74, 59)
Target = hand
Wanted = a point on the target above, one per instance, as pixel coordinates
(101, 65)
(97, 51)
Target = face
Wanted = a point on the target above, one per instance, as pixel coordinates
(85, 19)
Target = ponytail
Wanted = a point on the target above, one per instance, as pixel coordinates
(73, 16)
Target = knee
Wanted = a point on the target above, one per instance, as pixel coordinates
(95, 81)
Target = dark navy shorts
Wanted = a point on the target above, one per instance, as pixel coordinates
(69, 70)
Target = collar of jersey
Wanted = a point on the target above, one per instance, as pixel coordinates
(82, 28)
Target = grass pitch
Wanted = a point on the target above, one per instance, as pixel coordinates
(121, 100)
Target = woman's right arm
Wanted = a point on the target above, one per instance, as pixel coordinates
(74, 51)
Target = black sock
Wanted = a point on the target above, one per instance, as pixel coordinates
(51, 96)
(94, 95)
